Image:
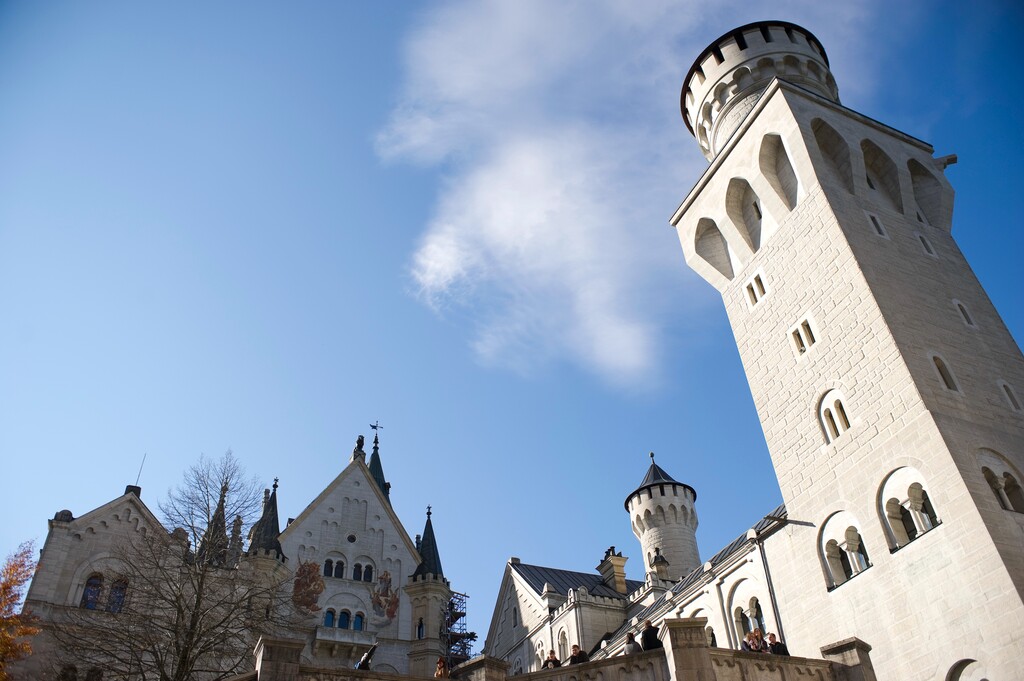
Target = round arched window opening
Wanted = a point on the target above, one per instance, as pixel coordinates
(351, 539)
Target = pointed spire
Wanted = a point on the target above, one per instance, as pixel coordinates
(656, 475)
(214, 546)
(376, 470)
(431, 563)
(263, 537)
(235, 543)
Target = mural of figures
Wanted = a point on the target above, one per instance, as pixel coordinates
(385, 598)
(308, 587)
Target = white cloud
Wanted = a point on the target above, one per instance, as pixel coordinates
(559, 127)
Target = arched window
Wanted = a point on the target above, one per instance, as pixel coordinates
(710, 633)
(339, 569)
(344, 619)
(91, 594)
(563, 645)
(357, 621)
(328, 567)
(515, 617)
(368, 573)
(843, 550)
(419, 629)
(907, 512)
(832, 415)
(115, 599)
(329, 618)
(357, 572)
(945, 374)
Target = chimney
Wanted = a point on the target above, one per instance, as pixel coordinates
(133, 489)
(613, 570)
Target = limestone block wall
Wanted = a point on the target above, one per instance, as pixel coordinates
(854, 397)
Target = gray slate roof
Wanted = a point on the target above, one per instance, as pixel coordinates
(564, 580)
(656, 475)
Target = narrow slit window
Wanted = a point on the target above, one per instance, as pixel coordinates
(871, 185)
(801, 348)
(757, 210)
(803, 336)
(755, 289)
(877, 225)
(926, 245)
(945, 374)
(831, 423)
(808, 333)
(1011, 396)
(968, 320)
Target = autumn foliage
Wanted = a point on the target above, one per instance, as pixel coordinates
(15, 628)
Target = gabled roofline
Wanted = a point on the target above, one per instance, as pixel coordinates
(356, 465)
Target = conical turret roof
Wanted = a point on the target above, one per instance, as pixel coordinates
(656, 475)
(431, 563)
(263, 537)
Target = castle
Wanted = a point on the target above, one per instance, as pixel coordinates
(885, 381)
(371, 583)
(887, 387)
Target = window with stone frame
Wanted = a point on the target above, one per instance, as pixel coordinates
(92, 592)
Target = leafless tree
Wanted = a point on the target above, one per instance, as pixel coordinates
(185, 604)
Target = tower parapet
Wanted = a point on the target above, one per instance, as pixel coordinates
(730, 75)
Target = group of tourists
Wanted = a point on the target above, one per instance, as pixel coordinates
(754, 642)
(578, 656)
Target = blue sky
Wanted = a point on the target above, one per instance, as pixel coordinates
(262, 226)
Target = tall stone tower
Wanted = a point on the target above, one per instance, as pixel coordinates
(662, 514)
(887, 385)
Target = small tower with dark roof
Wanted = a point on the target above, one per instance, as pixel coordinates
(663, 517)
(430, 595)
(263, 537)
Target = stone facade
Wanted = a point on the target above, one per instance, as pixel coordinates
(379, 586)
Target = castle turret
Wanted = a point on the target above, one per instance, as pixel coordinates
(731, 74)
(662, 514)
(430, 595)
(264, 535)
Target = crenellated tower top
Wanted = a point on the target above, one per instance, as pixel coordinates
(730, 75)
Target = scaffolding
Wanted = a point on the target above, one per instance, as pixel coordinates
(456, 642)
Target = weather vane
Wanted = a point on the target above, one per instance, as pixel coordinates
(376, 425)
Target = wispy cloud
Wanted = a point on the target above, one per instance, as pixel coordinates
(557, 126)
